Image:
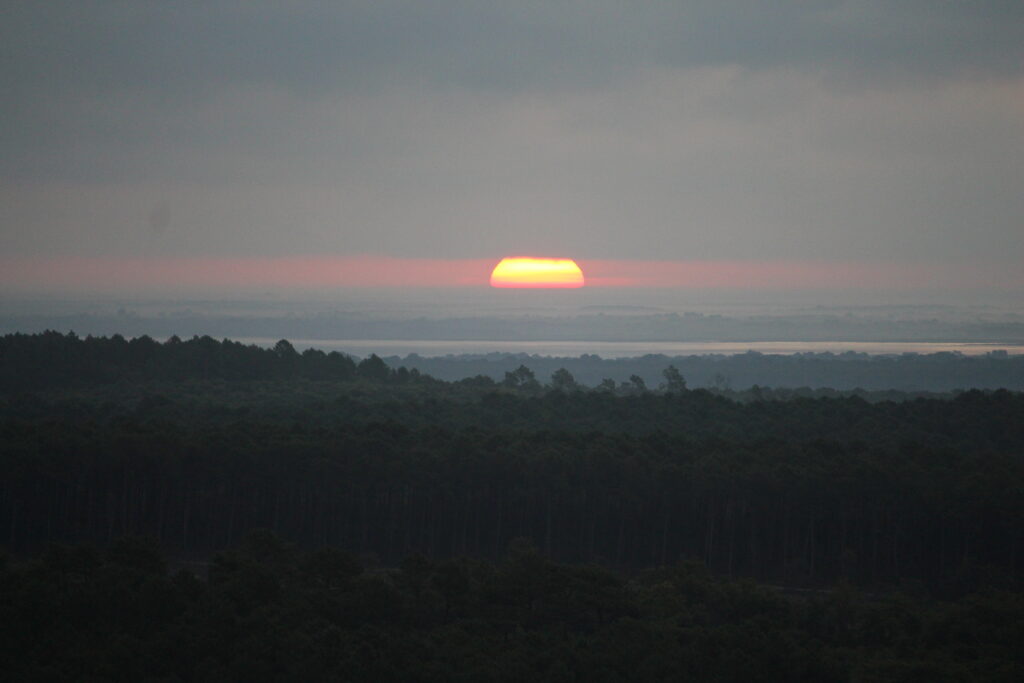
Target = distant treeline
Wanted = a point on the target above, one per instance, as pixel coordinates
(52, 359)
(936, 372)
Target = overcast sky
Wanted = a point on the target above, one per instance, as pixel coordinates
(852, 131)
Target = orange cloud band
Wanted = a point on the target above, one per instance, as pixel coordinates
(298, 272)
(79, 274)
(800, 275)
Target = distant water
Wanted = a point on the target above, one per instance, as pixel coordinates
(427, 348)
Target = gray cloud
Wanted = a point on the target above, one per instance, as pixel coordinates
(123, 73)
(186, 48)
(846, 130)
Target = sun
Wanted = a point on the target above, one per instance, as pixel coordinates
(536, 273)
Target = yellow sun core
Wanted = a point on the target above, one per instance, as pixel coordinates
(536, 273)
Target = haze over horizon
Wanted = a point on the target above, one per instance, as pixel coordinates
(826, 153)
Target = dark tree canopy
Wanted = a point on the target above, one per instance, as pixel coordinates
(351, 521)
(674, 379)
(563, 380)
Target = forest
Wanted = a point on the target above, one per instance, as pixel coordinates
(66, 358)
(265, 611)
(528, 527)
(908, 372)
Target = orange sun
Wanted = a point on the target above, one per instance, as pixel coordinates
(523, 272)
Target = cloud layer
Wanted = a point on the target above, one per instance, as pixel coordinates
(815, 131)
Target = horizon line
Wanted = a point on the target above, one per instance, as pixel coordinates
(53, 274)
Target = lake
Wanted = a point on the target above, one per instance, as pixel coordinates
(432, 347)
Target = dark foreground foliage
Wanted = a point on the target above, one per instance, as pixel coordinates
(919, 504)
(269, 613)
(803, 491)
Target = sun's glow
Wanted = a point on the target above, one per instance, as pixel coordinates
(525, 272)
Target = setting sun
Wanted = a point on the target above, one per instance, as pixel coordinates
(522, 272)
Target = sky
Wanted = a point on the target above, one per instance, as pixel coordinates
(820, 146)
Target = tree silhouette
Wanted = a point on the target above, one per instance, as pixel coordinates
(521, 378)
(563, 380)
(373, 369)
(674, 381)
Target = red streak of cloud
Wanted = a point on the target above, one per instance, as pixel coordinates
(286, 272)
(77, 274)
(794, 275)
